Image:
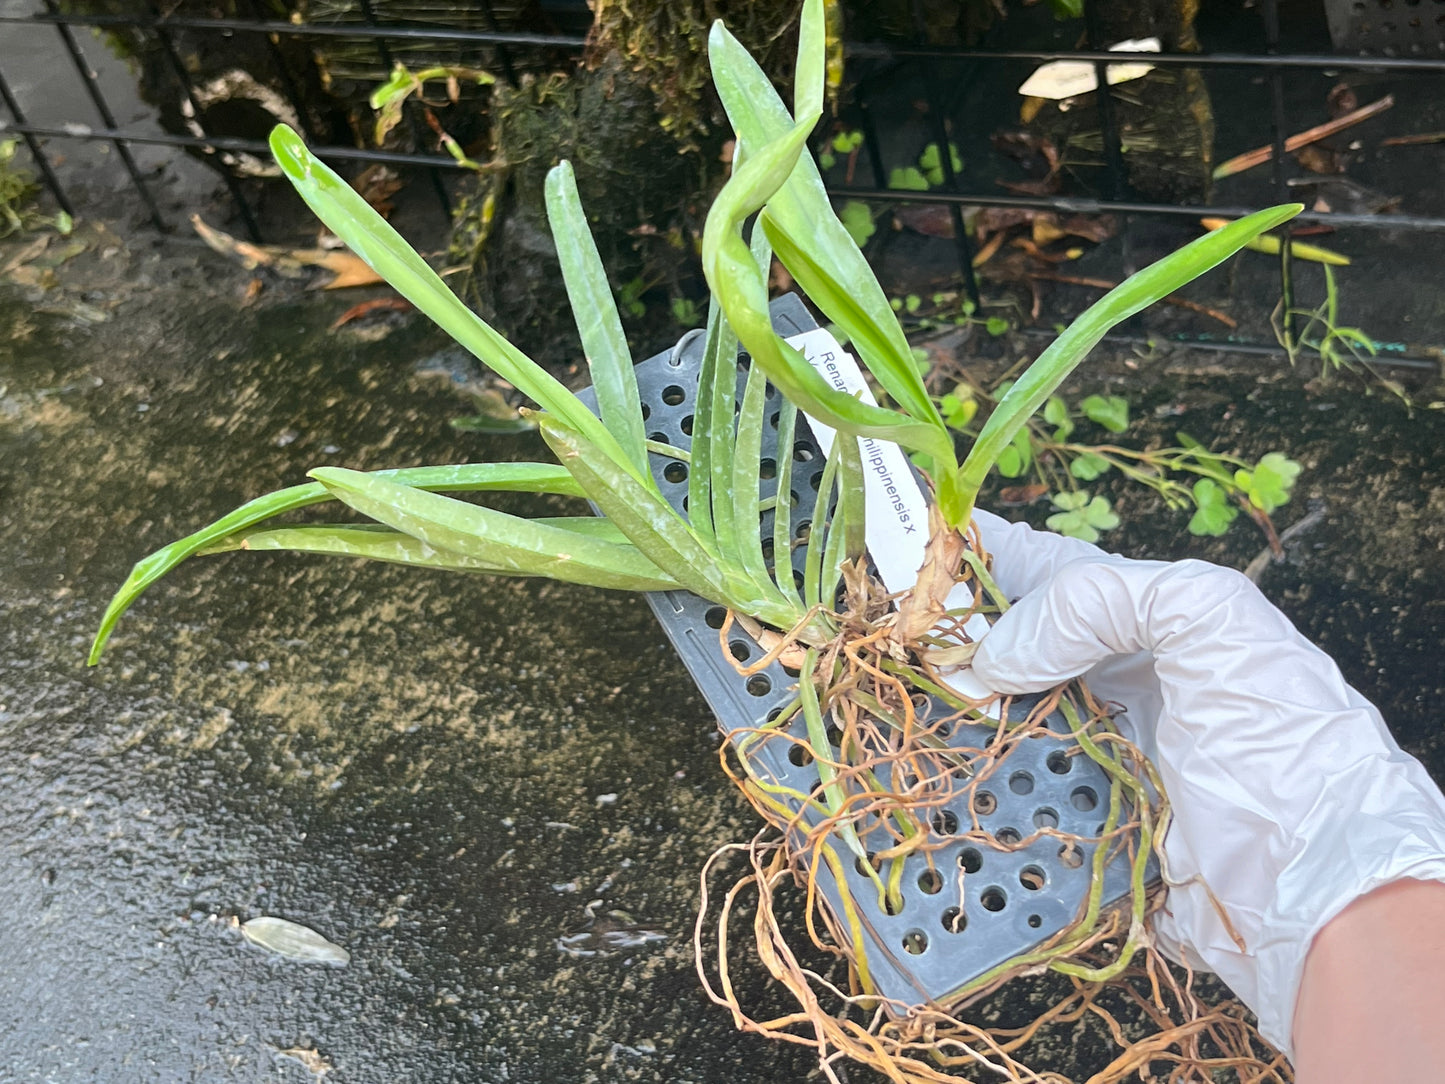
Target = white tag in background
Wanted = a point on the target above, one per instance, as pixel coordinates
(896, 509)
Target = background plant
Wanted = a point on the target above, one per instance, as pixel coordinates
(1051, 457)
(17, 190)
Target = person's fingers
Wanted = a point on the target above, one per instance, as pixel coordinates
(1103, 606)
(1025, 559)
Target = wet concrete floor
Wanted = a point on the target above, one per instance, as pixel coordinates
(439, 774)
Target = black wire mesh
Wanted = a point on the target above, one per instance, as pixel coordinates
(377, 34)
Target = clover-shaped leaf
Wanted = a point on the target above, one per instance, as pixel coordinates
(1089, 466)
(958, 407)
(908, 179)
(1056, 413)
(857, 219)
(1214, 511)
(1110, 411)
(1081, 516)
(1268, 485)
(1017, 457)
(931, 162)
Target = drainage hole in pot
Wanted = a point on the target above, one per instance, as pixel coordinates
(802, 452)
(945, 823)
(673, 394)
(759, 685)
(835, 737)
(773, 713)
(892, 905)
(1008, 836)
(659, 436)
(954, 920)
(803, 529)
(767, 549)
(740, 650)
(1071, 856)
(944, 731)
(915, 942)
(930, 882)
(1032, 878)
(814, 481)
(797, 579)
(675, 471)
(1046, 818)
(715, 617)
(1058, 762)
(1021, 783)
(646, 412)
(801, 758)
(984, 803)
(1084, 799)
(767, 468)
(993, 899)
(773, 419)
(686, 425)
(1035, 921)
(969, 860)
(862, 866)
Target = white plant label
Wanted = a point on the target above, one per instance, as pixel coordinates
(896, 509)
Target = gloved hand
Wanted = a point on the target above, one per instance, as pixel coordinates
(1290, 798)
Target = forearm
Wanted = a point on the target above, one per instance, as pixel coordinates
(1372, 1000)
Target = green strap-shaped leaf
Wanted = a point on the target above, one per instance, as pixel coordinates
(809, 74)
(595, 311)
(657, 531)
(802, 211)
(643, 516)
(506, 542)
(699, 475)
(1063, 355)
(374, 542)
(720, 394)
(461, 477)
(746, 456)
(367, 234)
(851, 497)
(742, 290)
(783, 506)
(813, 593)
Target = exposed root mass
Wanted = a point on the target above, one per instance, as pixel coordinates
(878, 721)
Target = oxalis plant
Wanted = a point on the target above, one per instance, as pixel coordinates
(874, 702)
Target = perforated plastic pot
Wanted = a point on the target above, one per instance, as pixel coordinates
(1011, 900)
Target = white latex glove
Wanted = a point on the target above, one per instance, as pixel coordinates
(1290, 797)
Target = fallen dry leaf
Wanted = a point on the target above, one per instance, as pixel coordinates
(366, 308)
(310, 1059)
(1018, 496)
(349, 269)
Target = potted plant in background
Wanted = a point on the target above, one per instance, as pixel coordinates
(892, 752)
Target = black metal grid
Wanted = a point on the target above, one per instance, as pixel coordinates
(1113, 197)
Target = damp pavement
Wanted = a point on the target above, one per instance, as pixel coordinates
(495, 795)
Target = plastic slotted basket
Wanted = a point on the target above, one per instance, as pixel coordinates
(1010, 901)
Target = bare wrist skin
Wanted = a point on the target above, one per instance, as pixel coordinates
(1372, 1000)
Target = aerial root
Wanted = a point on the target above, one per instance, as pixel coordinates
(891, 773)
